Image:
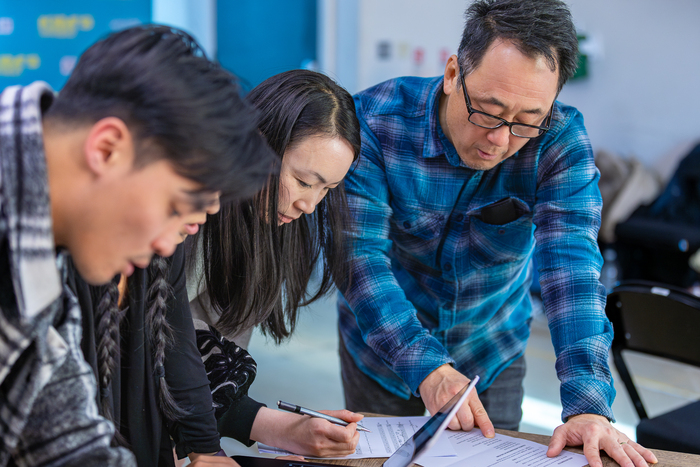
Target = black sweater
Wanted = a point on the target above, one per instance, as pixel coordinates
(134, 397)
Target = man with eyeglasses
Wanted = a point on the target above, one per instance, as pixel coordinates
(461, 181)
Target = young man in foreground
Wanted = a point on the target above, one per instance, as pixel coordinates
(146, 133)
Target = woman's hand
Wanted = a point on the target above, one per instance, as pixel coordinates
(305, 435)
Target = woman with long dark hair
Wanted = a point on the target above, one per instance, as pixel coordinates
(253, 261)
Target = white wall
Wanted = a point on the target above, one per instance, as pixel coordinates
(642, 96)
(421, 36)
(350, 32)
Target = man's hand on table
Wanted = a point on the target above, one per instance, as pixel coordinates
(440, 386)
(596, 433)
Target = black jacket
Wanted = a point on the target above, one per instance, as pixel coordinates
(134, 390)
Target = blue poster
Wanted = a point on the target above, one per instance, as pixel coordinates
(257, 39)
(42, 39)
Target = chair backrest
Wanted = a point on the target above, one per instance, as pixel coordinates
(654, 319)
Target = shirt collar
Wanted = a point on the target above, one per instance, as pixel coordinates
(437, 143)
(435, 140)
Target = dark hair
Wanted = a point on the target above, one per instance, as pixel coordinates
(179, 105)
(257, 272)
(108, 317)
(161, 334)
(536, 27)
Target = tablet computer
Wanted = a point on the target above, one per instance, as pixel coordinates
(428, 434)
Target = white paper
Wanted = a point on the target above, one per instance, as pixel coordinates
(264, 448)
(475, 450)
(386, 435)
(453, 448)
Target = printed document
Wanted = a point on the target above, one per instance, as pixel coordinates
(386, 435)
(453, 448)
(475, 450)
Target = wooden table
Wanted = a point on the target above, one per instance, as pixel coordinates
(666, 458)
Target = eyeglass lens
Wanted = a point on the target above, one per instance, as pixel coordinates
(488, 121)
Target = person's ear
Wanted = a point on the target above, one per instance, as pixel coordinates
(451, 82)
(109, 145)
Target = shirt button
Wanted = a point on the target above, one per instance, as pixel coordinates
(407, 225)
(501, 231)
(448, 267)
(459, 218)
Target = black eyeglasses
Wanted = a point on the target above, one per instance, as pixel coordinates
(491, 122)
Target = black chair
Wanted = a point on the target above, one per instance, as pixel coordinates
(658, 239)
(663, 321)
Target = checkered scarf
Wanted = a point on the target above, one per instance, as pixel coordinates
(48, 413)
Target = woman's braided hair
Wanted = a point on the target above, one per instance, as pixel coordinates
(161, 333)
(108, 318)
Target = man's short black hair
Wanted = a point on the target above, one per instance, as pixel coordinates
(179, 105)
(536, 27)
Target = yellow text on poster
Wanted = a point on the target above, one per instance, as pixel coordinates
(64, 26)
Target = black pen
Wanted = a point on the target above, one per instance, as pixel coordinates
(312, 413)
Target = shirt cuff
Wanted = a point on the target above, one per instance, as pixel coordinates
(419, 360)
(237, 421)
(183, 449)
(588, 396)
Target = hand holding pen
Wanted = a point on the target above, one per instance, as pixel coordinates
(312, 413)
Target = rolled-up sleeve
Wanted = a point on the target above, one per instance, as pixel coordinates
(567, 219)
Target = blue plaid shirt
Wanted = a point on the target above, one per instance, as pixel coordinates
(432, 283)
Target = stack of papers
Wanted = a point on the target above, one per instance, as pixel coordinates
(452, 448)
